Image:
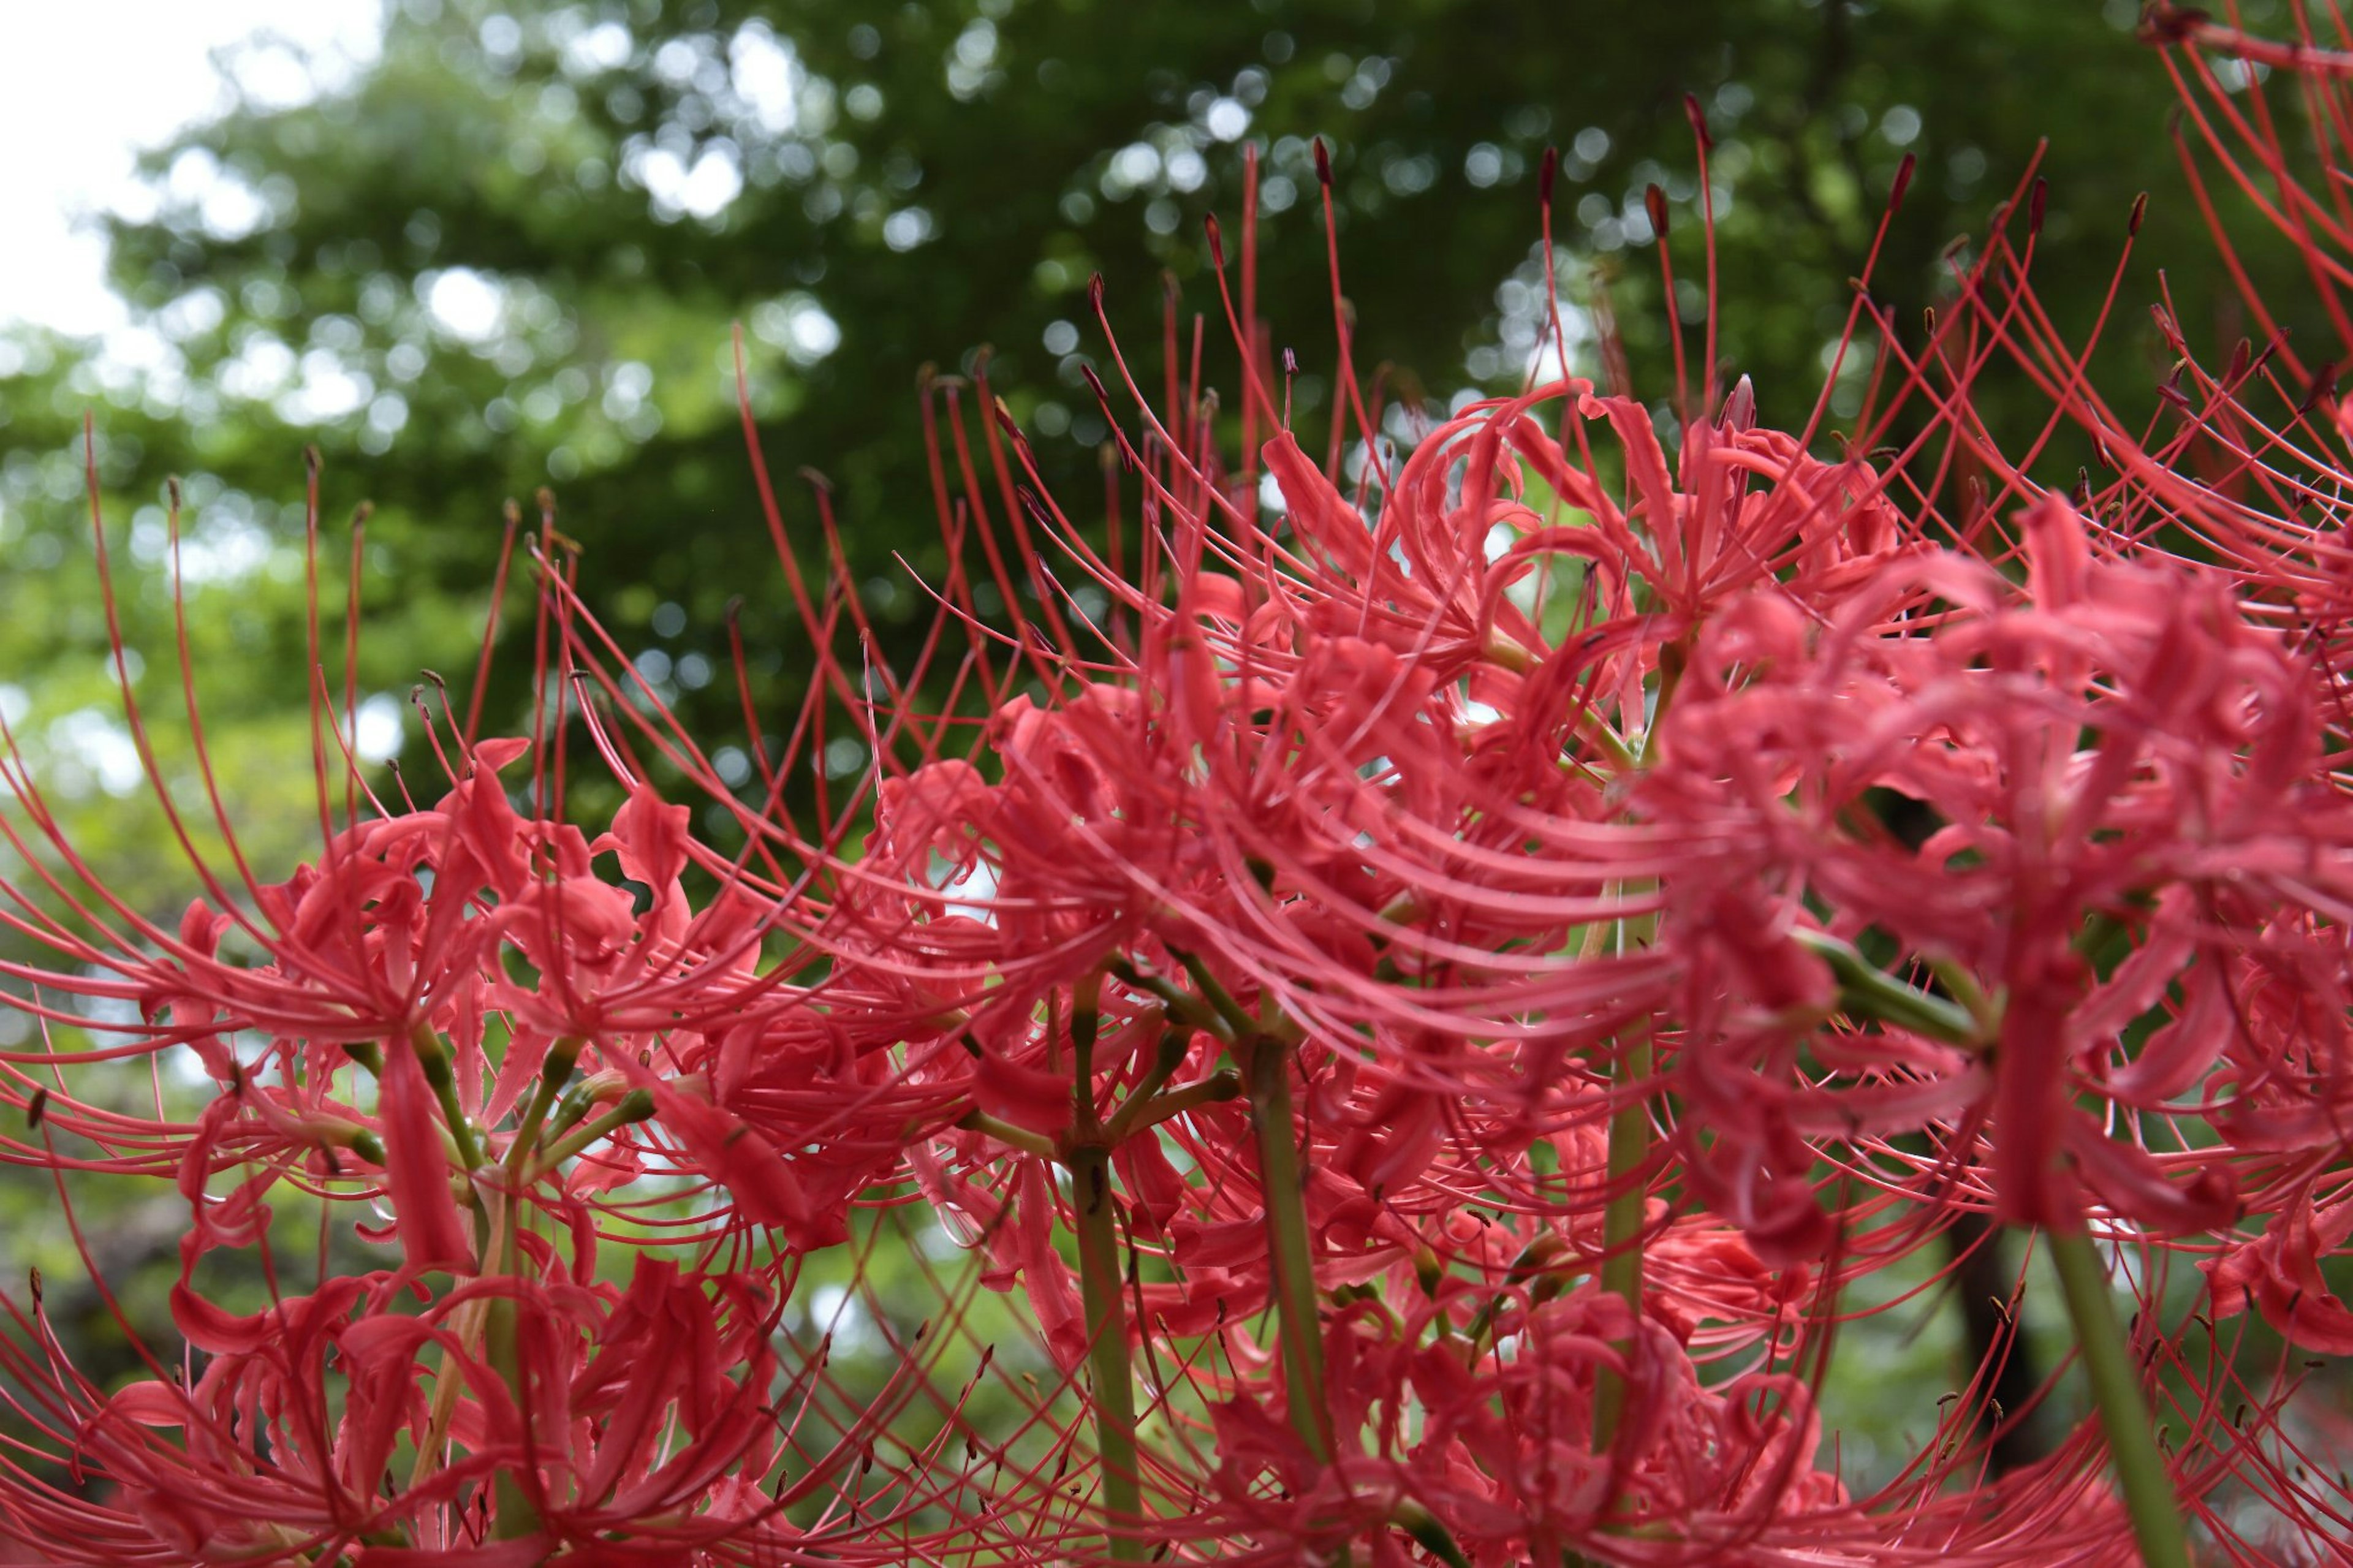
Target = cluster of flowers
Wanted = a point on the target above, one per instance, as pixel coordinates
(1428, 997)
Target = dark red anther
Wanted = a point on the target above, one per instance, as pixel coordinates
(1545, 174)
(2139, 211)
(36, 1108)
(1322, 163)
(1217, 240)
(2165, 23)
(1654, 202)
(1095, 293)
(2324, 384)
(2036, 201)
(1698, 118)
(1903, 181)
(1006, 421)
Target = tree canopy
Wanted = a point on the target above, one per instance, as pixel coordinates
(510, 253)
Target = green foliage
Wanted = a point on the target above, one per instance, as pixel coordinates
(499, 260)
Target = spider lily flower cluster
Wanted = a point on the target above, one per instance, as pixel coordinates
(1429, 1006)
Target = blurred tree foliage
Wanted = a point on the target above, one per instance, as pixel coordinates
(508, 254)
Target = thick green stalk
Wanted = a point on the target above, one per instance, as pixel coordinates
(1101, 1294)
(1101, 1282)
(1621, 1222)
(1266, 1075)
(2117, 1392)
(1630, 1124)
(518, 1516)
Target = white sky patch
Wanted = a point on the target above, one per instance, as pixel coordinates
(975, 894)
(101, 744)
(228, 550)
(765, 76)
(796, 323)
(703, 188)
(327, 390)
(376, 729)
(98, 80)
(1270, 498)
(1227, 119)
(226, 206)
(465, 304)
(261, 368)
(606, 47)
(907, 228)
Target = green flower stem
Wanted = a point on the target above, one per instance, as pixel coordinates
(1429, 1534)
(635, 1106)
(1621, 1222)
(1138, 1113)
(1179, 1004)
(1867, 991)
(1101, 1281)
(1164, 1063)
(518, 1516)
(1540, 1262)
(1006, 1133)
(1630, 1124)
(433, 1056)
(1672, 658)
(2124, 1408)
(337, 1134)
(1266, 1074)
(1237, 1018)
(562, 1058)
(577, 1102)
(1086, 1024)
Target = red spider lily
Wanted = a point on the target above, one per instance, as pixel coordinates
(2199, 802)
(1420, 1003)
(336, 1420)
(2280, 1275)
